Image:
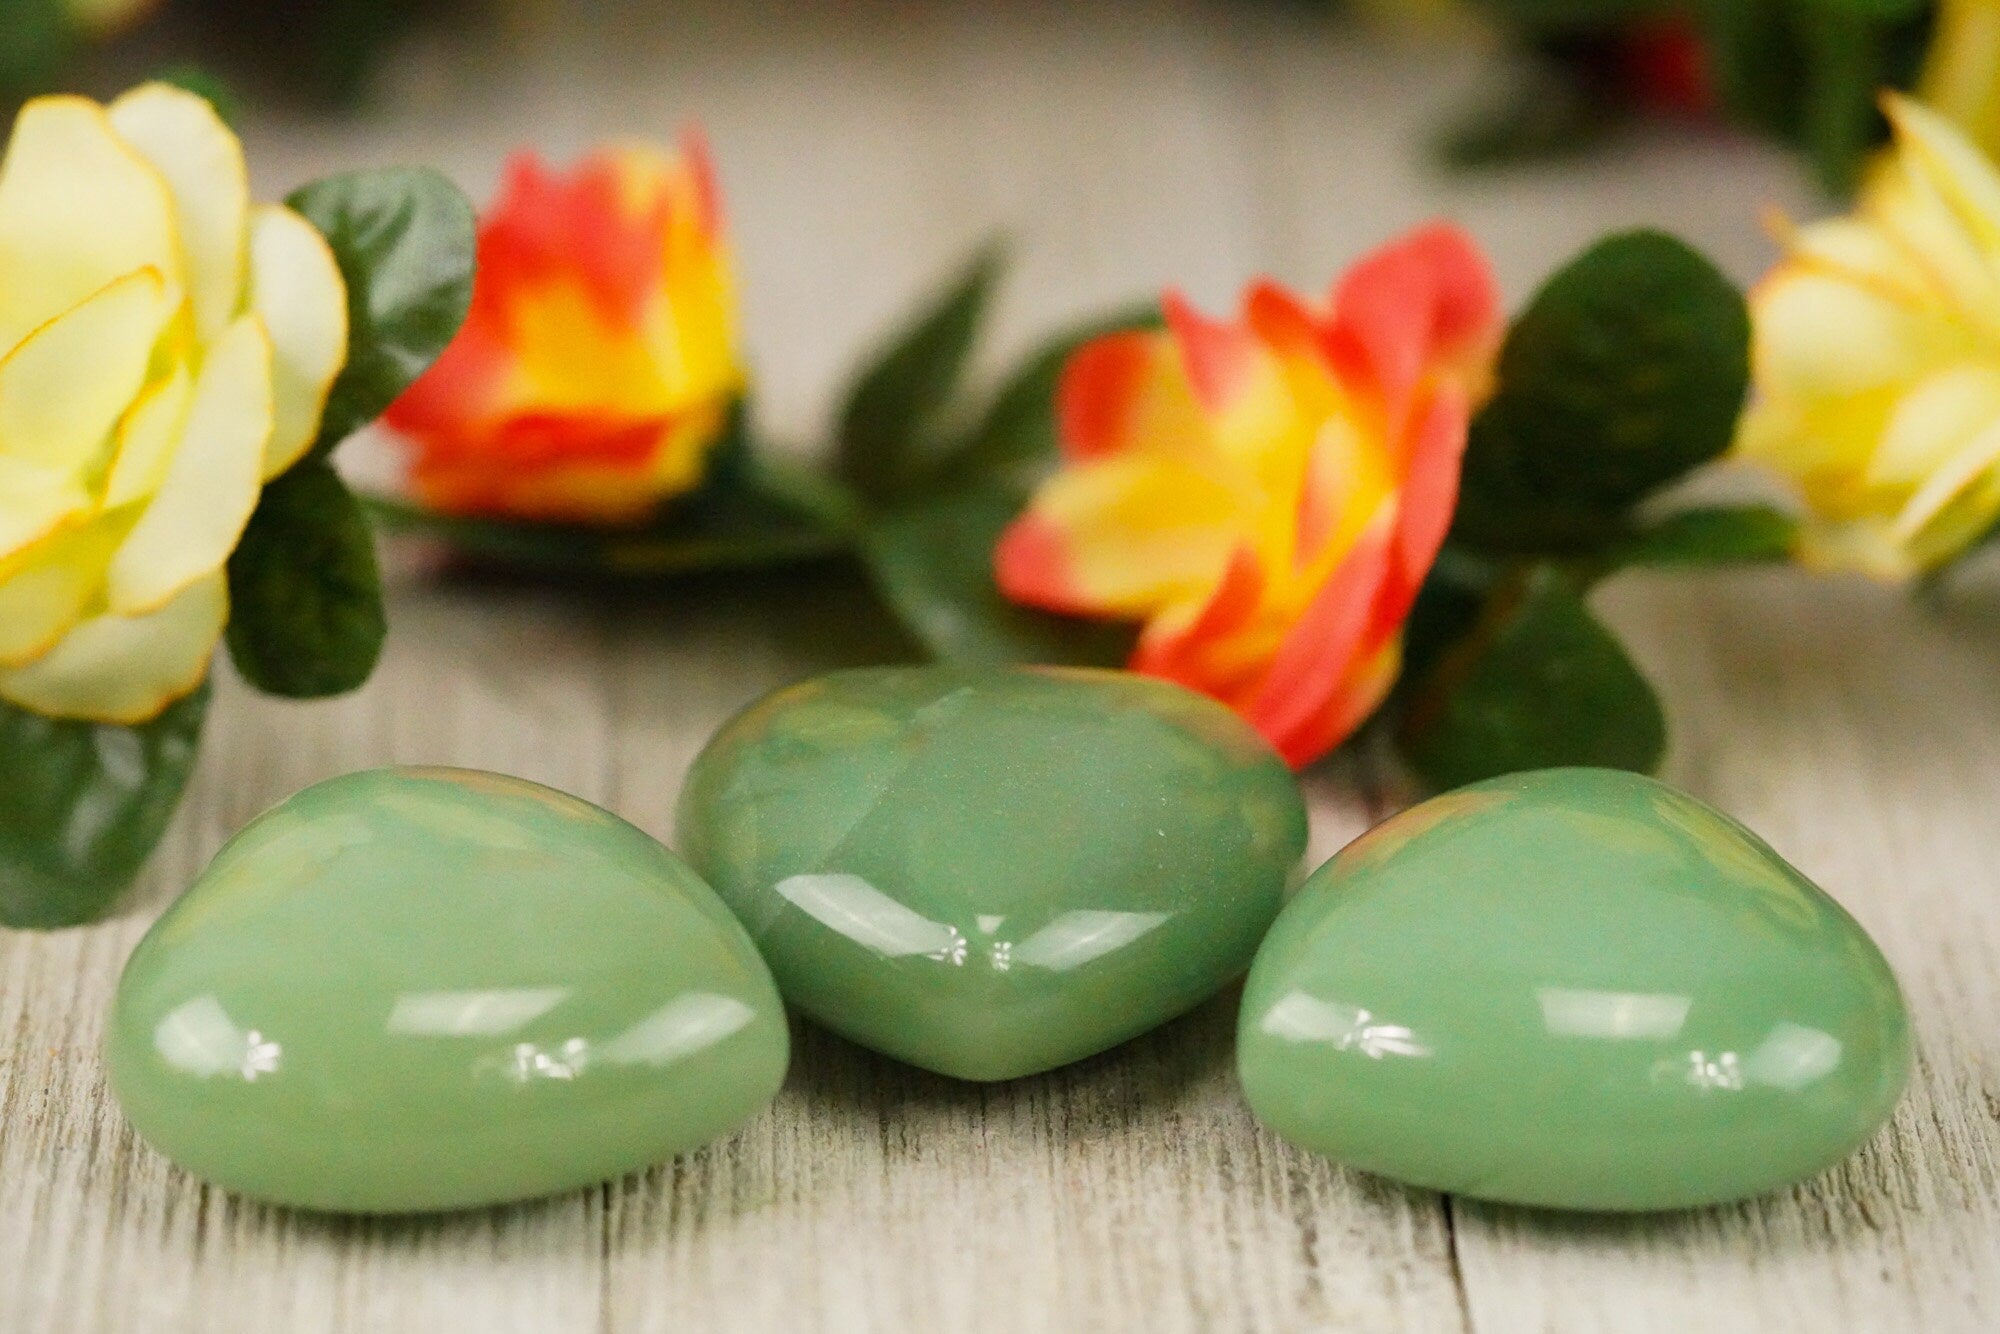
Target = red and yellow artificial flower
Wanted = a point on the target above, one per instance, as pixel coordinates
(598, 366)
(1267, 495)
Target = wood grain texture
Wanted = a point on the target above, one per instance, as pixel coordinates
(865, 147)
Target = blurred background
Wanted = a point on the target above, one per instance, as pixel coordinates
(865, 146)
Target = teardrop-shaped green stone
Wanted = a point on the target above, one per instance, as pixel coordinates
(991, 873)
(1575, 988)
(415, 989)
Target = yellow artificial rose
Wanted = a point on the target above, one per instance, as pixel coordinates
(165, 349)
(1876, 360)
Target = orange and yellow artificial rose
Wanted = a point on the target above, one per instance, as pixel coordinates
(598, 366)
(1267, 495)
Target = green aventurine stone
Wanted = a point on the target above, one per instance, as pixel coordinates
(993, 873)
(420, 989)
(1574, 988)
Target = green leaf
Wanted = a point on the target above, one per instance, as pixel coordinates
(753, 511)
(1448, 606)
(306, 617)
(933, 565)
(1628, 371)
(1809, 70)
(1017, 437)
(1841, 123)
(1544, 112)
(82, 806)
(1755, 62)
(1539, 684)
(404, 239)
(896, 407)
(37, 39)
(1722, 535)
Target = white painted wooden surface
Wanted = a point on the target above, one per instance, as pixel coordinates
(864, 147)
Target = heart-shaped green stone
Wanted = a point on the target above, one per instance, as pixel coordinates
(1575, 988)
(992, 873)
(429, 988)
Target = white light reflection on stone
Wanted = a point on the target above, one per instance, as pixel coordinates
(1793, 1056)
(1790, 1058)
(483, 1013)
(1075, 938)
(865, 915)
(201, 1039)
(1615, 1015)
(529, 1062)
(682, 1027)
(1299, 1017)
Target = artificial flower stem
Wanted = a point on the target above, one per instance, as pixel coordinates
(1961, 76)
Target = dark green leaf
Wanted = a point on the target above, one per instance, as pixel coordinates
(404, 239)
(1723, 535)
(1627, 371)
(1539, 684)
(1017, 436)
(37, 38)
(1841, 123)
(897, 405)
(305, 597)
(1809, 70)
(1448, 605)
(1544, 112)
(82, 806)
(933, 564)
(753, 512)
(323, 51)
(1755, 62)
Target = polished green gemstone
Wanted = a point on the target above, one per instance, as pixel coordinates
(992, 873)
(429, 988)
(1575, 988)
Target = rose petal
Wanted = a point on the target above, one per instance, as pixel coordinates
(1120, 537)
(297, 291)
(79, 209)
(43, 601)
(1425, 299)
(202, 165)
(66, 385)
(1309, 688)
(1237, 380)
(1818, 333)
(1127, 391)
(125, 669)
(1932, 422)
(198, 514)
(146, 438)
(1949, 163)
(36, 503)
(61, 391)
